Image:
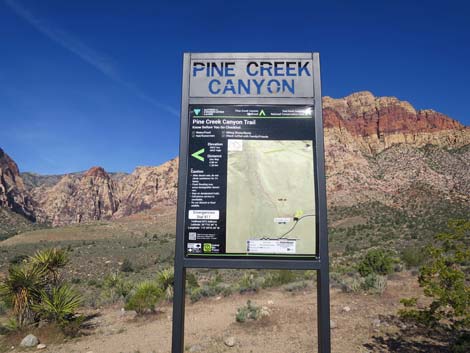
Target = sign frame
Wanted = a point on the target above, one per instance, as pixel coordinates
(320, 263)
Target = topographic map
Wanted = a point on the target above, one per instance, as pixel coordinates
(270, 197)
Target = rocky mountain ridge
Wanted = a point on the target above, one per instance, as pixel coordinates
(377, 149)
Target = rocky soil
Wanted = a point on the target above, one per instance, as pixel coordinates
(359, 321)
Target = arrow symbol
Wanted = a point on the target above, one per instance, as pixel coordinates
(262, 113)
(197, 111)
(198, 156)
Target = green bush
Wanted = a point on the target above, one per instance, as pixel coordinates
(115, 288)
(191, 280)
(249, 283)
(278, 278)
(209, 290)
(127, 266)
(376, 261)
(295, 286)
(165, 279)
(35, 289)
(144, 298)
(445, 278)
(413, 257)
(375, 283)
(248, 312)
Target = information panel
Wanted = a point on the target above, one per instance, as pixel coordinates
(251, 181)
(251, 178)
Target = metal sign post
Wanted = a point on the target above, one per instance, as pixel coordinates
(251, 184)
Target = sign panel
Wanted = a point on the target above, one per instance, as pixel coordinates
(251, 183)
(254, 77)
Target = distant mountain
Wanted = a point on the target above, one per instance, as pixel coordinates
(379, 151)
(13, 193)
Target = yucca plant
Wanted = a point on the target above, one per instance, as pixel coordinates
(22, 289)
(59, 305)
(144, 297)
(52, 260)
(165, 279)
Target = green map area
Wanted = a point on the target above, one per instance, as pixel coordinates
(270, 197)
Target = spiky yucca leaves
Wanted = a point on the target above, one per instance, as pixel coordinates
(165, 279)
(59, 305)
(144, 297)
(22, 289)
(52, 260)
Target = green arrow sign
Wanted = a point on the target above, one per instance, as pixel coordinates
(197, 154)
(262, 113)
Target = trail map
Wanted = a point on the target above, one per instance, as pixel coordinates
(270, 197)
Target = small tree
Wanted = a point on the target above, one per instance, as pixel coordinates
(377, 261)
(445, 278)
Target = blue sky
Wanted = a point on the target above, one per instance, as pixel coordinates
(87, 82)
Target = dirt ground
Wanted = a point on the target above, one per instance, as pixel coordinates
(290, 327)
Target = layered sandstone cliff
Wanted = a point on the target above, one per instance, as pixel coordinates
(148, 187)
(77, 198)
(377, 149)
(13, 194)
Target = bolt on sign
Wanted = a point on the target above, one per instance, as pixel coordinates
(251, 188)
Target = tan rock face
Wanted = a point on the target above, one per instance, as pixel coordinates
(377, 150)
(380, 122)
(94, 195)
(77, 198)
(148, 187)
(13, 194)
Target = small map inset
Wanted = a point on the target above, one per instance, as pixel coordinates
(270, 197)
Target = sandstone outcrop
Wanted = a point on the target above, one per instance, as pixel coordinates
(148, 187)
(377, 149)
(13, 194)
(77, 198)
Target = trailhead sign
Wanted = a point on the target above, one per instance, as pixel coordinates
(251, 185)
(251, 181)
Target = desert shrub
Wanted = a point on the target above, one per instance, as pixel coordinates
(278, 278)
(375, 283)
(191, 280)
(166, 279)
(18, 259)
(34, 289)
(59, 305)
(115, 288)
(295, 286)
(196, 294)
(376, 261)
(249, 283)
(3, 307)
(22, 289)
(248, 312)
(413, 257)
(210, 290)
(445, 278)
(351, 284)
(127, 266)
(144, 297)
(52, 260)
